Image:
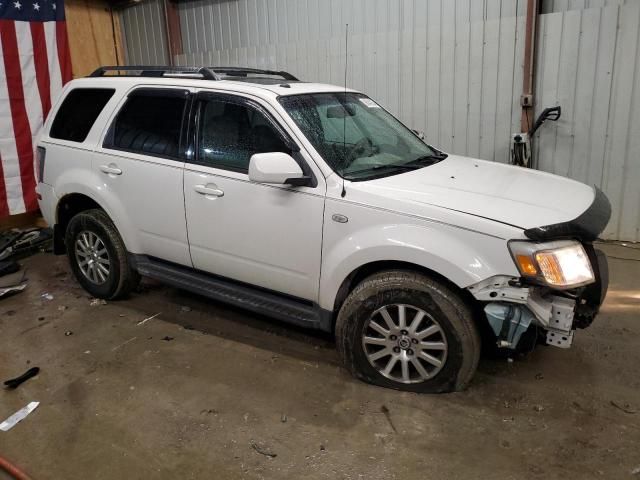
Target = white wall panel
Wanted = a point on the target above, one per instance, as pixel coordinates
(589, 64)
(144, 31)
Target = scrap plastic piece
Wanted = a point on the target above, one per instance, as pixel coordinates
(20, 415)
(16, 288)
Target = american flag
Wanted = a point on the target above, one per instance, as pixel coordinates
(34, 65)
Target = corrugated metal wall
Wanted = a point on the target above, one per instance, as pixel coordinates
(589, 62)
(144, 31)
(452, 68)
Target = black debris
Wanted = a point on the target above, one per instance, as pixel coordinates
(15, 382)
(263, 451)
(387, 414)
(167, 338)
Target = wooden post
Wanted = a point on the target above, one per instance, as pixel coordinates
(174, 34)
(526, 101)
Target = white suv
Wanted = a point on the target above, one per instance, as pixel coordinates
(312, 204)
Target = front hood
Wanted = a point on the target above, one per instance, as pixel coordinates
(507, 194)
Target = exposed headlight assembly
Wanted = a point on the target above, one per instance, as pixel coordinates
(560, 264)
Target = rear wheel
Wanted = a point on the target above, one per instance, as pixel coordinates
(98, 257)
(403, 330)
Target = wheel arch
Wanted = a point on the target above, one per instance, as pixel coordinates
(71, 204)
(371, 268)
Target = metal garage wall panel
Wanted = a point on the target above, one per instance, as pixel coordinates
(457, 62)
(144, 30)
(453, 68)
(589, 64)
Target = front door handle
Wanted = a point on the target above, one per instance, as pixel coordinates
(209, 190)
(110, 169)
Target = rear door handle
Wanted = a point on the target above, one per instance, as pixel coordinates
(110, 169)
(209, 189)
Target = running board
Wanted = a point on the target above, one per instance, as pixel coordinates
(257, 300)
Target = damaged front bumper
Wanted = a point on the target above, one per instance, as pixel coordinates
(512, 306)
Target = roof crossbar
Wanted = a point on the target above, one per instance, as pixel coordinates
(206, 73)
(156, 71)
(245, 72)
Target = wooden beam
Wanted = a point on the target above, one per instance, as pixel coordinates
(174, 33)
(526, 118)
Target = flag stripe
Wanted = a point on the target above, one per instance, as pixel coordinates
(8, 153)
(21, 127)
(4, 204)
(41, 63)
(26, 54)
(52, 53)
(64, 56)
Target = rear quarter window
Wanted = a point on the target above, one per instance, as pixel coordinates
(78, 113)
(150, 123)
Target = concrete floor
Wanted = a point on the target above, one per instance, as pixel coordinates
(199, 390)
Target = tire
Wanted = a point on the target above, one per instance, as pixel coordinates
(103, 271)
(444, 331)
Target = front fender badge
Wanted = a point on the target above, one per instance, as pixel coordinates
(337, 217)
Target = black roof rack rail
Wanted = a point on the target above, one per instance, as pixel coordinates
(207, 73)
(244, 72)
(156, 71)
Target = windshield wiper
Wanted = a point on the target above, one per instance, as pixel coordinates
(403, 167)
(426, 160)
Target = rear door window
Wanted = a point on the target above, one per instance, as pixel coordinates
(150, 122)
(78, 113)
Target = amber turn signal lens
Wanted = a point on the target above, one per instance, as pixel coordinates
(526, 265)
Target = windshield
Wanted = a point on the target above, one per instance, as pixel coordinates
(356, 137)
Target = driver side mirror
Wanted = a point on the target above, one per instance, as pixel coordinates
(276, 168)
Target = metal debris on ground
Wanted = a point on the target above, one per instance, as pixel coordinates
(16, 382)
(96, 302)
(20, 415)
(184, 308)
(123, 344)
(46, 296)
(142, 322)
(16, 243)
(263, 451)
(635, 471)
(14, 289)
(68, 333)
(283, 418)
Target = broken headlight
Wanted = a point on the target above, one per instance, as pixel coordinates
(559, 264)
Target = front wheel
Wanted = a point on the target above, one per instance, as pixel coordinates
(403, 330)
(98, 257)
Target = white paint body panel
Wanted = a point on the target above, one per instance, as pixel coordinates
(283, 238)
(265, 235)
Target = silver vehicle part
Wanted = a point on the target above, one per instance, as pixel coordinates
(508, 322)
(552, 312)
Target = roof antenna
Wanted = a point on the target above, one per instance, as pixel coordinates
(344, 117)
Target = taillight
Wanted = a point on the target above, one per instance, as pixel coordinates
(41, 153)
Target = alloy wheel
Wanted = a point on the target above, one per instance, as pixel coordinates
(404, 343)
(92, 257)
